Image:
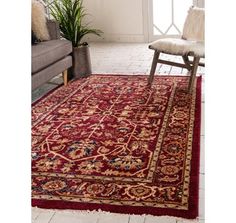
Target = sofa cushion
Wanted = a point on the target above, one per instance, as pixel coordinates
(48, 73)
(48, 52)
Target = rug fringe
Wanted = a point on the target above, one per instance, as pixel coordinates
(99, 211)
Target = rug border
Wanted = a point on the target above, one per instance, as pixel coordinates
(192, 213)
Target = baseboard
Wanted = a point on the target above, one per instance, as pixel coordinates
(116, 38)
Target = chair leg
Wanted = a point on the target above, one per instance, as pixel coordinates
(187, 62)
(193, 74)
(153, 68)
(65, 77)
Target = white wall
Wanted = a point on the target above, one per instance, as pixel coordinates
(201, 3)
(120, 20)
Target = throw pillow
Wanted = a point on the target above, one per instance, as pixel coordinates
(39, 21)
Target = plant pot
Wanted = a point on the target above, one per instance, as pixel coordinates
(81, 62)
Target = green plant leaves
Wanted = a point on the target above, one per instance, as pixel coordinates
(70, 14)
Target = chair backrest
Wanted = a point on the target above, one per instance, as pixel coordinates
(194, 26)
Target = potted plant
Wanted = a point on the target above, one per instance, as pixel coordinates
(70, 15)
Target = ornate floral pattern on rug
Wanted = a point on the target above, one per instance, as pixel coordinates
(110, 140)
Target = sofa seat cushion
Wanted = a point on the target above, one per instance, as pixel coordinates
(48, 52)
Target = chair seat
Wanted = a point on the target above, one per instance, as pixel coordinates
(178, 46)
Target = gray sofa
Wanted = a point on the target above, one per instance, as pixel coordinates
(50, 58)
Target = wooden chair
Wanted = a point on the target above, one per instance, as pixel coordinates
(190, 44)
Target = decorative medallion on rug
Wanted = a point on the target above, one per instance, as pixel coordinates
(109, 142)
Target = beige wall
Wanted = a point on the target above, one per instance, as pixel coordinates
(120, 20)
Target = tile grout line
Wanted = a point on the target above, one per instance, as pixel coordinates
(36, 216)
(40, 212)
(51, 217)
(129, 219)
(144, 220)
(97, 221)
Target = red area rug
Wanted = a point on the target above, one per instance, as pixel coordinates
(109, 142)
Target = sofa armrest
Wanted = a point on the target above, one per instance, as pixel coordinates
(53, 29)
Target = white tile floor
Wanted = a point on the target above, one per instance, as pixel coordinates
(123, 58)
